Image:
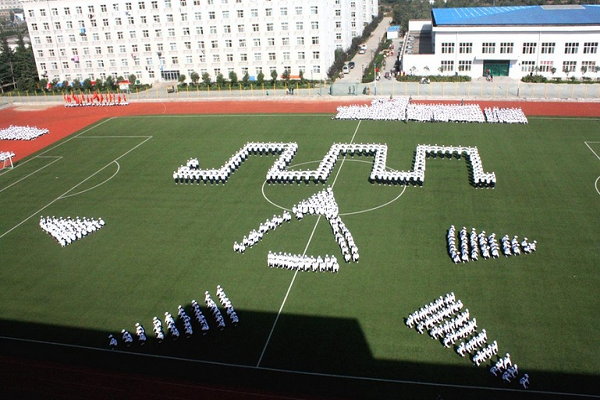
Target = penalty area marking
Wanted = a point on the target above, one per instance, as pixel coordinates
(366, 210)
(598, 157)
(56, 158)
(94, 187)
(306, 373)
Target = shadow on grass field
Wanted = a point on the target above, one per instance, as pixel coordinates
(194, 368)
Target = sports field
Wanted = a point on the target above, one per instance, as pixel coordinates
(321, 334)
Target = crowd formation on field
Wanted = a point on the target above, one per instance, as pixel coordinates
(184, 321)
(95, 99)
(323, 204)
(67, 230)
(498, 115)
(473, 244)
(403, 109)
(191, 173)
(22, 132)
(443, 320)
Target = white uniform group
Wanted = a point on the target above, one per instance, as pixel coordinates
(443, 320)
(402, 109)
(184, 322)
(473, 245)
(380, 173)
(68, 230)
(22, 132)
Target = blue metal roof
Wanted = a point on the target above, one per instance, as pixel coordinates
(517, 15)
(394, 28)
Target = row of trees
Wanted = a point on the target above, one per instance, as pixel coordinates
(110, 84)
(17, 68)
(220, 79)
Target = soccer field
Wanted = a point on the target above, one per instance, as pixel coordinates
(165, 244)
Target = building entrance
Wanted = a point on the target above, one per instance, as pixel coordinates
(496, 67)
(170, 75)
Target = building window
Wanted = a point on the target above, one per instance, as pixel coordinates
(285, 41)
(132, 34)
(145, 33)
(447, 65)
(227, 29)
(569, 66)
(315, 40)
(243, 56)
(270, 41)
(299, 26)
(242, 43)
(268, 12)
(314, 25)
(225, 14)
(546, 66)
(199, 30)
(147, 47)
(465, 48)
(447, 48)
(286, 55)
(588, 66)
(283, 11)
(548, 48)
(122, 49)
(270, 27)
(128, 6)
(300, 40)
(527, 66)
(301, 55)
(174, 60)
(169, 17)
(187, 45)
(228, 43)
(198, 16)
(298, 10)
(214, 44)
(171, 32)
(216, 58)
(240, 13)
(254, 13)
(186, 31)
(255, 28)
(141, 5)
(488, 48)
(272, 57)
(230, 57)
(284, 26)
(590, 48)
(529, 47)
(507, 48)
(69, 24)
(154, 4)
(316, 55)
(241, 28)
(257, 57)
(571, 48)
(211, 15)
(256, 42)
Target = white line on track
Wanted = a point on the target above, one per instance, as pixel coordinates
(306, 248)
(296, 372)
(56, 158)
(73, 188)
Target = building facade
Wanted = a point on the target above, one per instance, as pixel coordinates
(554, 41)
(158, 40)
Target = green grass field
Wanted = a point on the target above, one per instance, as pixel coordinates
(333, 334)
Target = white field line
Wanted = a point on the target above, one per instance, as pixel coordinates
(296, 272)
(598, 157)
(73, 188)
(296, 372)
(57, 158)
(98, 185)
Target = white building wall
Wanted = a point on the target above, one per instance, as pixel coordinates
(125, 37)
(526, 49)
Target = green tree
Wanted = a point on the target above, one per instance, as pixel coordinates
(87, 84)
(182, 79)
(132, 79)
(24, 69)
(246, 78)
(206, 78)
(273, 77)
(260, 78)
(221, 79)
(286, 76)
(6, 59)
(76, 84)
(195, 77)
(110, 82)
(233, 78)
(302, 80)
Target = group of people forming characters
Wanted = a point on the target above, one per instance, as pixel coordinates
(380, 173)
(445, 322)
(473, 244)
(95, 99)
(22, 132)
(403, 109)
(321, 203)
(172, 329)
(497, 115)
(68, 230)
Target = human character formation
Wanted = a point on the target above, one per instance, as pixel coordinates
(184, 324)
(27, 132)
(190, 173)
(68, 230)
(403, 109)
(445, 322)
(95, 100)
(473, 245)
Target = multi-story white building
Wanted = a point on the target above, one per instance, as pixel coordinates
(10, 4)
(161, 39)
(506, 41)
